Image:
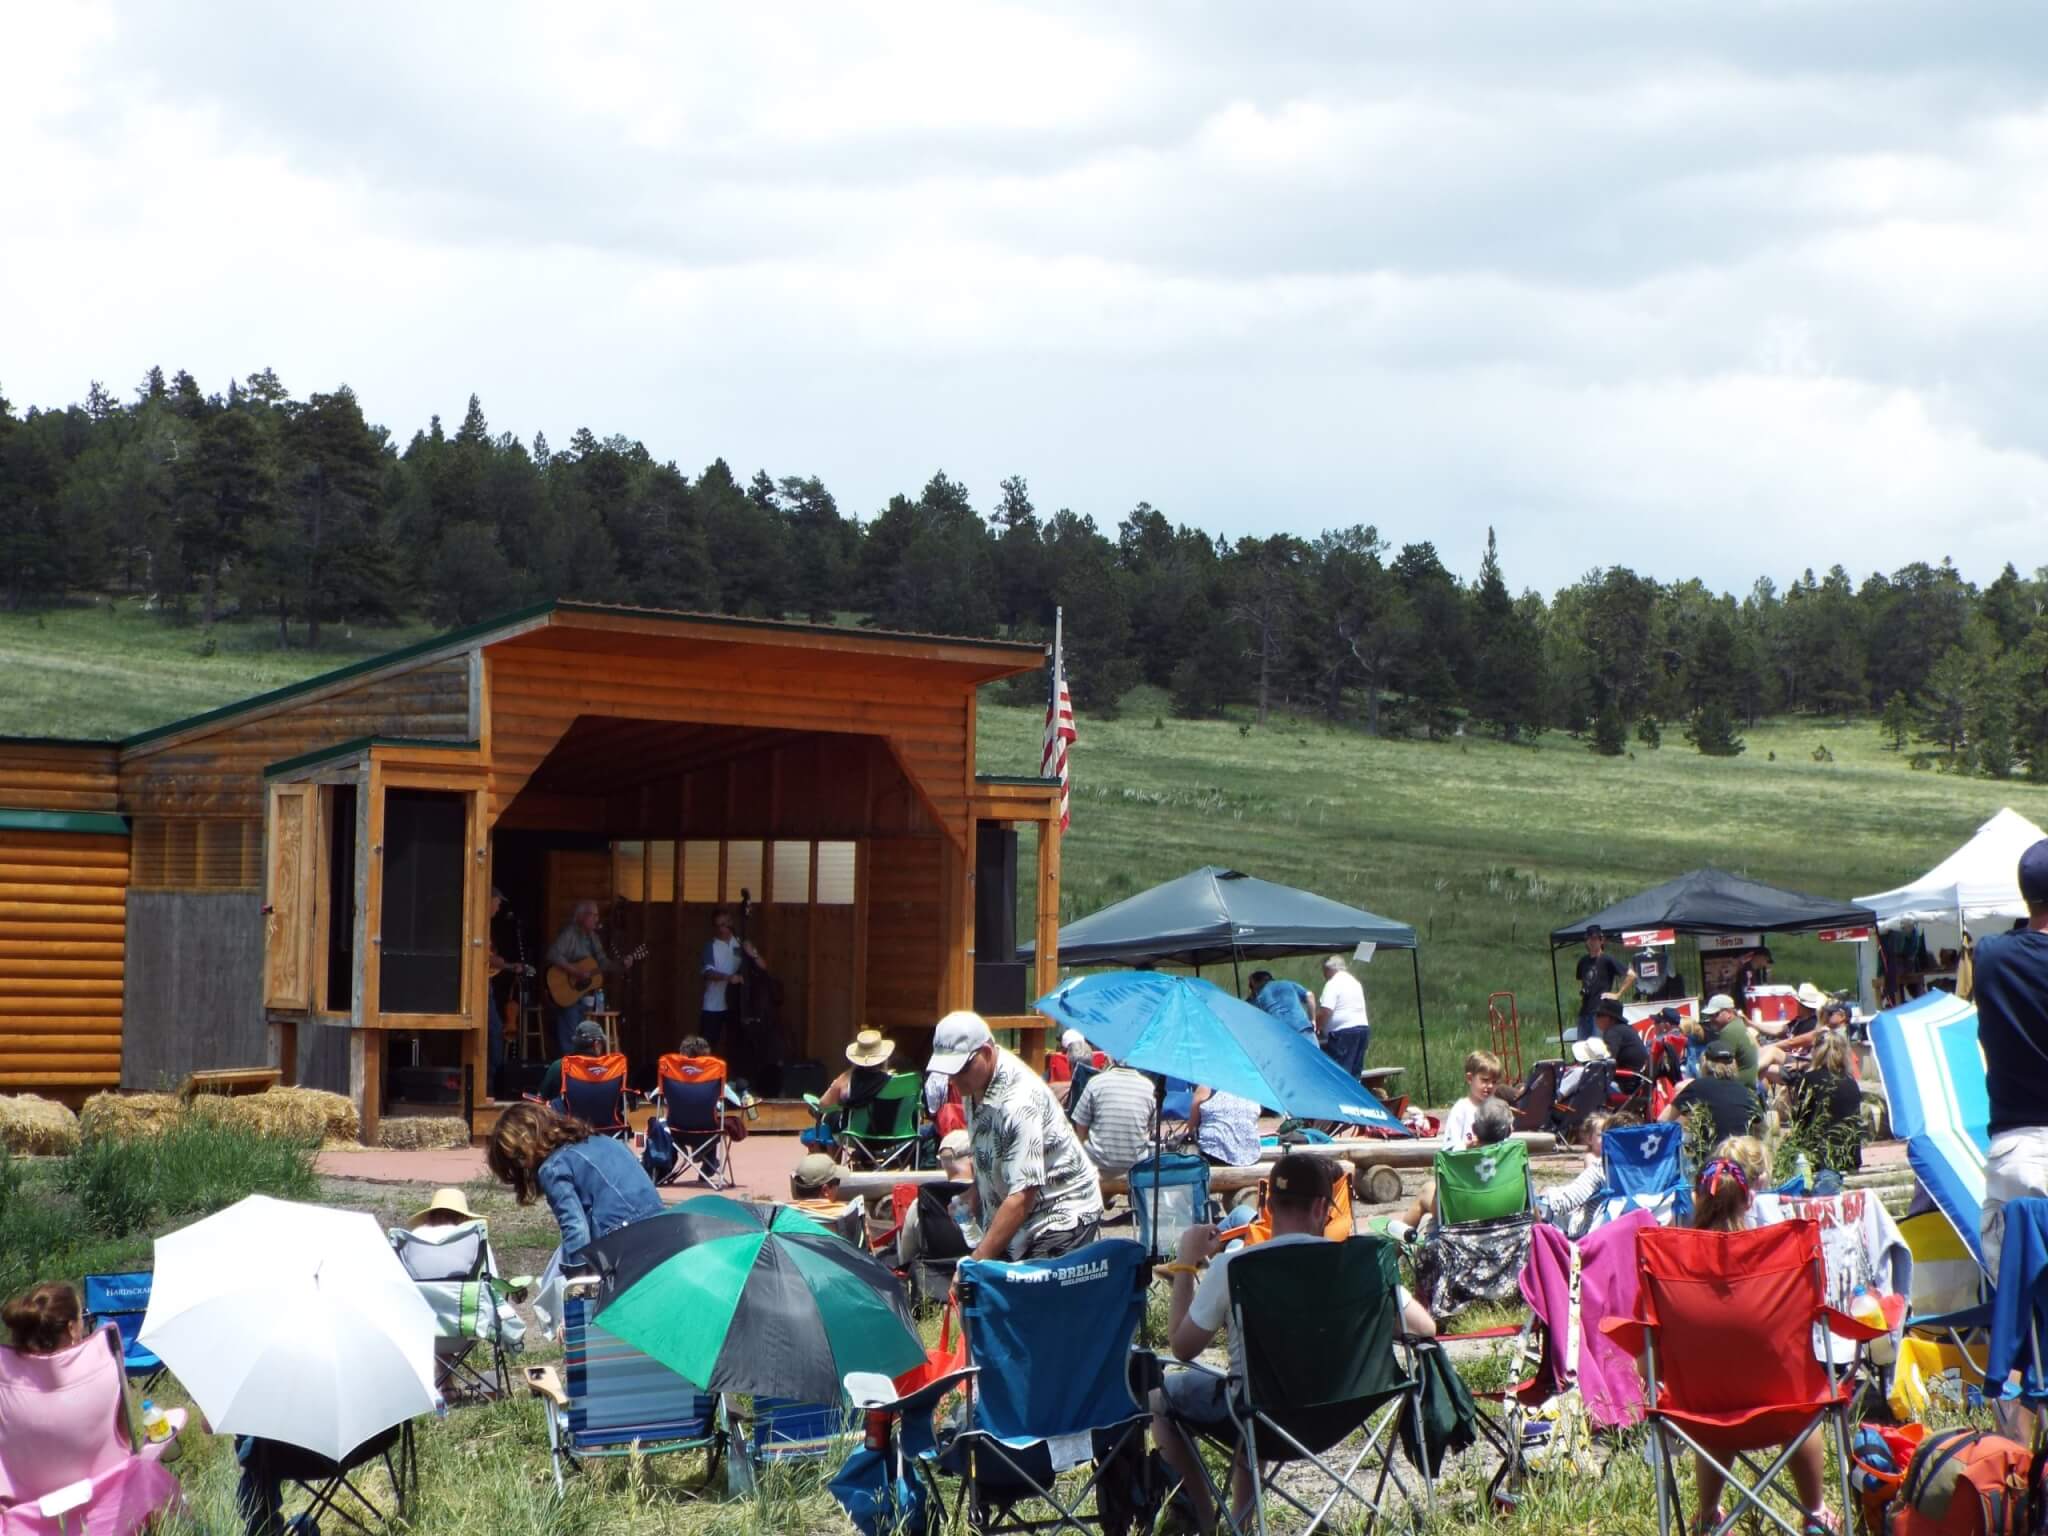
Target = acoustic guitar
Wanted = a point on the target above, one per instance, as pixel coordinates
(565, 988)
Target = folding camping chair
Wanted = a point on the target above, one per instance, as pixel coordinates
(1642, 1168)
(327, 1481)
(769, 1432)
(457, 1277)
(1077, 1082)
(1313, 1376)
(123, 1299)
(2015, 1316)
(1484, 1210)
(1053, 1339)
(1173, 1191)
(693, 1099)
(1176, 1103)
(882, 1133)
(594, 1091)
(611, 1400)
(1757, 1297)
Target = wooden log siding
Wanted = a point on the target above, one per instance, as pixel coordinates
(537, 692)
(58, 776)
(62, 927)
(219, 773)
(906, 933)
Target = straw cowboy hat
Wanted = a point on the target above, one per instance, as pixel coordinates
(453, 1201)
(870, 1048)
(1812, 996)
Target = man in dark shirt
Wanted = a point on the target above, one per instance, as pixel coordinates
(2011, 994)
(1599, 975)
(1624, 1045)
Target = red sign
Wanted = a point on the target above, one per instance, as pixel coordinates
(1844, 935)
(1649, 938)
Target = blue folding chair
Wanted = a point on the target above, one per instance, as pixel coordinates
(1174, 1189)
(2016, 1315)
(1642, 1167)
(1176, 1103)
(1053, 1342)
(122, 1299)
(776, 1431)
(610, 1399)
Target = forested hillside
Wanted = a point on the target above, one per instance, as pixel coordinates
(301, 512)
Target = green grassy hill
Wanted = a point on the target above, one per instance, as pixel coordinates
(1483, 847)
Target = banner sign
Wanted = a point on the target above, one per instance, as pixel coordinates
(1844, 935)
(1731, 941)
(1649, 938)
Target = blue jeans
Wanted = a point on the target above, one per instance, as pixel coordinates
(566, 1020)
(1347, 1048)
(1588, 1027)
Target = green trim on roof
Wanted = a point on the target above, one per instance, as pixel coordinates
(59, 741)
(797, 626)
(98, 823)
(1025, 780)
(363, 744)
(367, 665)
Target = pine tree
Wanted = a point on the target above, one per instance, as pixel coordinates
(1649, 732)
(1610, 737)
(1896, 723)
(1712, 731)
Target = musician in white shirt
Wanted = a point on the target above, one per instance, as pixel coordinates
(725, 958)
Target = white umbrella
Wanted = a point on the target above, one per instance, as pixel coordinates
(294, 1322)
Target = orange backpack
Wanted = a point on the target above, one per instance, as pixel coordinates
(1963, 1482)
(1337, 1228)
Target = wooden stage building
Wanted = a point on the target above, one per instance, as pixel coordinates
(303, 878)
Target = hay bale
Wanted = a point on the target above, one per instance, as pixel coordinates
(409, 1133)
(306, 1113)
(35, 1126)
(127, 1116)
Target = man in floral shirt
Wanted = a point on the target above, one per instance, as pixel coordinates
(1038, 1193)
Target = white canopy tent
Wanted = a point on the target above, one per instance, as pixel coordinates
(1979, 880)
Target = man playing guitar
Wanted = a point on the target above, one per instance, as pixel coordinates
(579, 954)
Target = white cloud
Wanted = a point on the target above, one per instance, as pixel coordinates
(1705, 290)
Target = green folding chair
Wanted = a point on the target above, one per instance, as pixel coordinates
(882, 1133)
(1485, 1204)
(1483, 1183)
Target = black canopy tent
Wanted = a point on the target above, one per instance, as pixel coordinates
(1708, 900)
(1212, 915)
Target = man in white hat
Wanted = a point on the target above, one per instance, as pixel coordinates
(867, 1073)
(1037, 1192)
(1340, 1017)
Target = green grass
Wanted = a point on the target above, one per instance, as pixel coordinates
(1485, 847)
(108, 668)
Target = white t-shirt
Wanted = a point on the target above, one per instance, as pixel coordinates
(719, 955)
(1209, 1309)
(1458, 1123)
(1344, 996)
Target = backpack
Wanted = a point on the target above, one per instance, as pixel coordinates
(1963, 1482)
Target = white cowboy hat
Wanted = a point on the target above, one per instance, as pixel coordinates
(870, 1048)
(1812, 996)
(1589, 1050)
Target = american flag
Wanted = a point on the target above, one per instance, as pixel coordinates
(1059, 727)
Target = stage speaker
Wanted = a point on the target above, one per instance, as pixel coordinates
(430, 1085)
(517, 1078)
(1000, 987)
(995, 892)
(802, 1077)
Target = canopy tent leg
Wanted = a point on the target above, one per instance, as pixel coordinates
(1421, 1029)
(1557, 1002)
(1236, 981)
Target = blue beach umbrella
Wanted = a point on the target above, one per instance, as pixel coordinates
(1192, 1029)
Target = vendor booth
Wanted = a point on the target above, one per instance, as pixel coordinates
(1974, 890)
(1727, 918)
(1214, 916)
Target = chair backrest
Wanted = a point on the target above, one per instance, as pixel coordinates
(1337, 1228)
(1749, 1296)
(617, 1394)
(1176, 1186)
(2019, 1314)
(63, 1417)
(1075, 1084)
(891, 1115)
(1643, 1160)
(693, 1093)
(783, 1428)
(1315, 1325)
(594, 1089)
(1177, 1100)
(458, 1252)
(123, 1300)
(1482, 1183)
(1053, 1339)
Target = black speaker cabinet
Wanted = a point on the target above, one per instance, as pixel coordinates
(430, 1085)
(1000, 987)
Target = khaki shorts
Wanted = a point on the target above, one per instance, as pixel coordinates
(2015, 1167)
(1197, 1398)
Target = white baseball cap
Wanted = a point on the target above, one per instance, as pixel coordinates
(958, 1036)
(1720, 1002)
(1333, 963)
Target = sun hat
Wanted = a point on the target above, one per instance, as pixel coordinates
(1812, 996)
(1610, 1008)
(1720, 1002)
(1589, 1050)
(870, 1048)
(451, 1200)
(815, 1171)
(958, 1036)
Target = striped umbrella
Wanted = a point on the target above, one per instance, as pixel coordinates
(736, 1296)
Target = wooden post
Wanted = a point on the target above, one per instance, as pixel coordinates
(1046, 955)
(366, 1079)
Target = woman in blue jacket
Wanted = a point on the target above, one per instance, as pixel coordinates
(593, 1184)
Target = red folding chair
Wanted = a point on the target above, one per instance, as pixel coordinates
(594, 1091)
(1712, 1299)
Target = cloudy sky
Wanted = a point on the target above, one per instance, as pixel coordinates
(1704, 288)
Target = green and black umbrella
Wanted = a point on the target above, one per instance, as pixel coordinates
(739, 1297)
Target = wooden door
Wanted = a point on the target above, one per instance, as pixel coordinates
(291, 871)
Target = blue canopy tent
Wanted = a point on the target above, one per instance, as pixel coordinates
(1213, 915)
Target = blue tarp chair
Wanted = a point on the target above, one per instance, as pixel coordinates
(2016, 1364)
(1934, 1086)
(1053, 1341)
(1643, 1168)
(775, 1431)
(1176, 1103)
(1175, 1186)
(888, 1486)
(122, 1299)
(612, 1400)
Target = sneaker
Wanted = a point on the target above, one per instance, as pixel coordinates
(1822, 1522)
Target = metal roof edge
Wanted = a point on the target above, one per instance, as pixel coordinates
(96, 823)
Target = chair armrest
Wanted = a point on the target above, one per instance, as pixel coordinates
(1843, 1326)
(1630, 1334)
(541, 1381)
(1963, 1318)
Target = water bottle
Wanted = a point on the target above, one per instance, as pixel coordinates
(1866, 1308)
(1802, 1170)
(156, 1424)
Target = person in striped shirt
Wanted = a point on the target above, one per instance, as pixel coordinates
(1115, 1116)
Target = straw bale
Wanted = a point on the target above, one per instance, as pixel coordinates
(307, 1113)
(125, 1116)
(36, 1126)
(409, 1133)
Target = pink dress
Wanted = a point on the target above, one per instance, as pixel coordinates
(64, 1421)
(1606, 1375)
